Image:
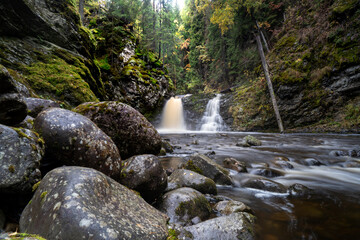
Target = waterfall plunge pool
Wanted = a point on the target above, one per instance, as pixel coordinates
(331, 208)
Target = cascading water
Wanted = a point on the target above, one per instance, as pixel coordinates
(212, 121)
(173, 117)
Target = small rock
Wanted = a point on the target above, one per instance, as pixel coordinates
(299, 190)
(167, 146)
(264, 184)
(228, 207)
(251, 141)
(267, 172)
(145, 174)
(81, 203)
(234, 164)
(27, 123)
(186, 178)
(312, 162)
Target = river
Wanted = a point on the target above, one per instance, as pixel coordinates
(328, 209)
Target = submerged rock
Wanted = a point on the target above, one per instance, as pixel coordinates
(184, 205)
(132, 133)
(234, 164)
(21, 151)
(145, 174)
(209, 168)
(264, 184)
(80, 203)
(233, 226)
(73, 139)
(186, 178)
(36, 105)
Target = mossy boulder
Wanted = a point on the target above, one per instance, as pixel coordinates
(36, 105)
(209, 168)
(186, 178)
(21, 152)
(144, 174)
(132, 133)
(184, 204)
(81, 203)
(73, 139)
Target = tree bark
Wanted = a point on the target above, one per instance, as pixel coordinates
(263, 37)
(268, 80)
(81, 10)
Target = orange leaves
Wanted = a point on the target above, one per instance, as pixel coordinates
(185, 44)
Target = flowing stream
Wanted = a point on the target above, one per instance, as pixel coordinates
(325, 206)
(328, 209)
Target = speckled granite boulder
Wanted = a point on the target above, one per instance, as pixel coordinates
(185, 206)
(186, 178)
(209, 168)
(234, 226)
(145, 174)
(72, 139)
(132, 133)
(12, 105)
(21, 151)
(36, 105)
(81, 203)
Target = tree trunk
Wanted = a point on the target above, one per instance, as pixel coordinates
(268, 80)
(81, 10)
(263, 37)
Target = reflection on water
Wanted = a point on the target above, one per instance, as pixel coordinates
(329, 208)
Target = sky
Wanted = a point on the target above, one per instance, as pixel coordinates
(181, 4)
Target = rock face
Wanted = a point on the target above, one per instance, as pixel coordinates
(145, 174)
(12, 106)
(184, 205)
(72, 139)
(234, 226)
(129, 129)
(186, 178)
(207, 167)
(36, 105)
(21, 151)
(82, 203)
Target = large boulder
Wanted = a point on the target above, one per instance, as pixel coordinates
(36, 105)
(21, 151)
(132, 133)
(209, 168)
(12, 106)
(234, 226)
(73, 139)
(185, 206)
(186, 178)
(145, 174)
(82, 203)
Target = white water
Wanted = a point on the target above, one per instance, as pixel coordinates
(212, 121)
(173, 117)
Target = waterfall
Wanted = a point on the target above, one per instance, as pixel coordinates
(173, 117)
(212, 121)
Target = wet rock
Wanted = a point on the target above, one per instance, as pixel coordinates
(234, 164)
(82, 203)
(167, 146)
(145, 174)
(341, 153)
(72, 139)
(21, 151)
(12, 109)
(282, 162)
(36, 105)
(233, 226)
(204, 165)
(299, 190)
(312, 162)
(264, 184)
(27, 123)
(186, 178)
(228, 207)
(129, 129)
(250, 141)
(184, 204)
(267, 172)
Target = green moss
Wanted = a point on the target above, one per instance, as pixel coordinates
(20, 132)
(104, 64)
(191, 166)
(196, 207)
(43, 196)
(173, 234)
(35, 186)
(11, 168)
(21, 236)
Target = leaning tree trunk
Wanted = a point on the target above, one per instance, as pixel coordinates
(268, 80)
(81, 10)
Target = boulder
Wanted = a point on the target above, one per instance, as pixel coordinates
(250, 141)
(227, 207)
(132, 133)
(234, 164)
(82, 203)
(145, 174)
(205, 166)
(233, 226)
(12, 109)
(185, 205)
(186, 178)
(264, 184)
(21, 151)
(36, 105)
(72, 139)
(266, 172)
